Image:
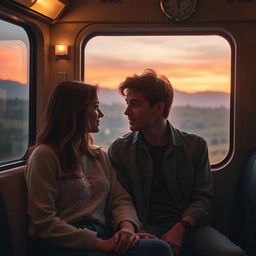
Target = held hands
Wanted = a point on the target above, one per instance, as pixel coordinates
(124, 239)
(104, 245)
(144, 234)
(120, 242)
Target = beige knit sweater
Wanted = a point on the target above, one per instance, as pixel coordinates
(53, 203)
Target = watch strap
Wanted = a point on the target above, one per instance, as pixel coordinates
(186, 224)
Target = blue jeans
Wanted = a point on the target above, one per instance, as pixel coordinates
(202, 241)
(145, 247)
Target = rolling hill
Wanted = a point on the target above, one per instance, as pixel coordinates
(14, 90)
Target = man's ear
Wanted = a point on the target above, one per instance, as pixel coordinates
(159, 108)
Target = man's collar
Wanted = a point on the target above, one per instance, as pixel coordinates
(175, 135)
(174, 138)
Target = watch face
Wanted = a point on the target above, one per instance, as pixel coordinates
(178, 9)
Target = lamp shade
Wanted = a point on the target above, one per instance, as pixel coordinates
(48, 8)
(61, 50)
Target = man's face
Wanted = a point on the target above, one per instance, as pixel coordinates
(140, 114)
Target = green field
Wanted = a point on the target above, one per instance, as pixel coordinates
(13, 130)
(210, 123)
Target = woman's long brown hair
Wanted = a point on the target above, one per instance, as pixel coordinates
(65, 124)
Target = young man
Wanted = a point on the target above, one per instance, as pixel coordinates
(166, 171)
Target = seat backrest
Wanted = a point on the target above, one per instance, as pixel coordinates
(245, 206)
(13, 196)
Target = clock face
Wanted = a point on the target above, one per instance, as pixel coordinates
(178, 9)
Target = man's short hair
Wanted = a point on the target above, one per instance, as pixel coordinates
(154, 88)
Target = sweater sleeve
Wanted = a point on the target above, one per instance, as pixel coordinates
(42, 185)
(120, 203)
(115, 156)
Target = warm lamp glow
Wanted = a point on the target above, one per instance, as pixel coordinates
(49, 8)
(61, 50)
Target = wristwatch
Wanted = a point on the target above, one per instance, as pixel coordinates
(186, 224)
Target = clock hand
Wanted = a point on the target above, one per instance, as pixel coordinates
(178, 3)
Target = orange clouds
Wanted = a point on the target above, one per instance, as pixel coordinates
(14, 61)
(190, 77)
(108, 77)
(192, 63)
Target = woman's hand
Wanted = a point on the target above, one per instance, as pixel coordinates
(124, 239)
(104, 245)
(121, 241)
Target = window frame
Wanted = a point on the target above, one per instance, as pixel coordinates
(94, 31)
(32, 88)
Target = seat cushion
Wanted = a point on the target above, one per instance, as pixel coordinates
(245, 207)
(5, 236)
(13, 193)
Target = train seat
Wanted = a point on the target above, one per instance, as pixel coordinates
(14, 219)
(13, 213)
(244, 224)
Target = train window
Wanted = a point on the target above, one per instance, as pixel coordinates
(14, 92)
(198, 66)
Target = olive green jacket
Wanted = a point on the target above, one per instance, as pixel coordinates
(185, 165)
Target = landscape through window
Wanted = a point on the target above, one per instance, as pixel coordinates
(14, 92)
(198, 66)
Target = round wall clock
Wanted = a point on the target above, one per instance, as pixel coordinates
(178, 9)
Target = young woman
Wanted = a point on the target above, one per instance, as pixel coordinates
(75, 203)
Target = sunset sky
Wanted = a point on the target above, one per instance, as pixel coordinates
(192, 63)
(13, 61)
(14, 53)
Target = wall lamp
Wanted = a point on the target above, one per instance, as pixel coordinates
(62, 51)
(49, 10)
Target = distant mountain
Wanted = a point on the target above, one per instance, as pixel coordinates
(13, 89)
(202, 99)
(199, 99)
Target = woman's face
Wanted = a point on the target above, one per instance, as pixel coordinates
(93, 115)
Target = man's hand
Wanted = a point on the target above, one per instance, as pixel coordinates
(174, 237)
(143, 234)
(104, 245)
